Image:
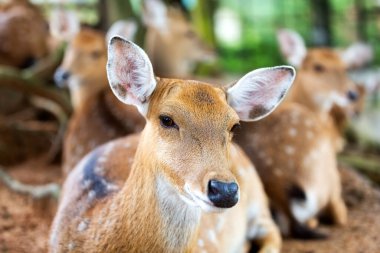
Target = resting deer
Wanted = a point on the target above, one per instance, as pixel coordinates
(98, 116)
(294, 149)
(171, 42)
(17, 18)
(181, 185)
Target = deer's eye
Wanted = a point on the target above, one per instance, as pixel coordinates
(318, 68)
(96, 54)
(235, 128)
(167, 122)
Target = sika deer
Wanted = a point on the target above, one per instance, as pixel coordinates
(171, 42)
(295, 148)
(19, 47)
(172, 188)
(98, 116)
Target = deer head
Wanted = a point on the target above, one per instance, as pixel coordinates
(190, 124)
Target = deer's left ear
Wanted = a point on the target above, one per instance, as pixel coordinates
(357, 55)
(259, 92)
(130, 73)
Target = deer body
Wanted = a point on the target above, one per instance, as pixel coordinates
(295, 156)
(98, 116)
(141, 210)
(295, 148)
(160, 191)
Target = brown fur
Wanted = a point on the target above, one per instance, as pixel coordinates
(296, 146)
(131, 202)
(175, 52)
(23, 33)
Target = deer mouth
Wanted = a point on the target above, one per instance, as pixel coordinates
(200, 200)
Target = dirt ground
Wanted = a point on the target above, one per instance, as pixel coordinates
(25, 222)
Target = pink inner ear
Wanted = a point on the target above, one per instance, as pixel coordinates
(127, 72)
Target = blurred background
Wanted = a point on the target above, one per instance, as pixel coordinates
(244, 31)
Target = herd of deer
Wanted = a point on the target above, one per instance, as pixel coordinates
(178, 165)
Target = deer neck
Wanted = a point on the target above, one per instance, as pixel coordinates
(300, 95)
(154, 216)
(81, 90)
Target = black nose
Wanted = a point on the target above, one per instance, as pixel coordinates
(352, 95)
(223, 194)
(60, 77)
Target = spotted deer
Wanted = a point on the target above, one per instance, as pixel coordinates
(181, 185)
(98, 116)
(171, 42)
(322, 81)
(294, 149)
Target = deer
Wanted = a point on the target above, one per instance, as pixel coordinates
(181, 185)
(171, 41)
(94, 105)
(17, 17)
(294, 149)
(97, 115)
(324, 70)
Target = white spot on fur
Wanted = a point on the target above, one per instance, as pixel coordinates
(130, 160)
(86, 183)
(292, 132)
(111, 187)
(269, 161)
(99, 170)
(201, 243)
(261, 154)
(71, 246)
(308, 123)
(304, 210)
(241, 172)
(91, 195)
(289, 150)
(83, 225)
(253, 210)
(219, 224)
(294, 117)
(309, 135)
(278, 172)
(257, 231)
(127, 145)
(212, 236)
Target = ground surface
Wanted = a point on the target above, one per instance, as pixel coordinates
(24, 222)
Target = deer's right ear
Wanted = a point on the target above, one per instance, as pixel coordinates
(63, 24)
(130, 73)
(292, 46)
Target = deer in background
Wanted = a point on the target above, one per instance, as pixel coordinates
(172, 187)
(322, 82)
(171, 42)
(98, 116)
(18, 18)
(294, 149)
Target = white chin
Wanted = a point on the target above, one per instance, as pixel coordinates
(200, 201)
